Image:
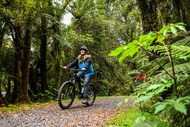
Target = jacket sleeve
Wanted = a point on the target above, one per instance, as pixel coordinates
(72, 64)
(138, 77)
(88, 63)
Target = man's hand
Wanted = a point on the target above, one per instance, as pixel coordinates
(84, 69)
(64, 67)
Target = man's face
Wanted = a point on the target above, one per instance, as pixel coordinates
(82, 52)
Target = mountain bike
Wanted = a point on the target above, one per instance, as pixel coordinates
(66, 93)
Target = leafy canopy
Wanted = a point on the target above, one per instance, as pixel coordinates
(145, 41)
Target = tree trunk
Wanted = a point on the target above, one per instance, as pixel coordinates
(165, 12)
(16, 34)
(148, 9)
(186, 12)
(43, 55)
(34, 76)
(56, 54)
(176, 11)
(23, 88)
(1, 37)
(2, 31)
(2, 101)
(19, 58)
(22, 54)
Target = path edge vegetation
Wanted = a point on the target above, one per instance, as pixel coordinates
(174, 107)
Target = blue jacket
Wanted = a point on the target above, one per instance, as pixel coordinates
(83, 62)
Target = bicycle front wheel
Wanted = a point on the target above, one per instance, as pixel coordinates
(91, 94)
(66, 95)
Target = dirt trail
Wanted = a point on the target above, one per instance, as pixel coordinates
(77, 115)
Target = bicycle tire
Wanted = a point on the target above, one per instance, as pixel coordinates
(66, 95)
(91, 94)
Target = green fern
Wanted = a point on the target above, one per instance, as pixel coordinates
(178, 51)
(180, 68)
(185, 42)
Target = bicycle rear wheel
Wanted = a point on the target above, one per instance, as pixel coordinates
(66, 95)
(91, 94)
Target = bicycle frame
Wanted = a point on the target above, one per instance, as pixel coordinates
(66, 93)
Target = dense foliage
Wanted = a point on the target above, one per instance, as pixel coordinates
(34, 43)
(169, 81)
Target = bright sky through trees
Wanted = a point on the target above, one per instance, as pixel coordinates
(67, 18)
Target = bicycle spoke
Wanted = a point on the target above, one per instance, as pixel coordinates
(66, 95)
(91, 94)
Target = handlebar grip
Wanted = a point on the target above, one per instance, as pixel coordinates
(73, 69)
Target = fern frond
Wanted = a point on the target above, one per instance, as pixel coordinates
(180, 51)
(157, 50)
(177, 52)
(184, 42)
(156, 64)
(180, 68)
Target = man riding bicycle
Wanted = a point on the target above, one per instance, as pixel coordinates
(141, 76)
(84, 62)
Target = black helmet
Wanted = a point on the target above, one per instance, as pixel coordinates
(84, 47)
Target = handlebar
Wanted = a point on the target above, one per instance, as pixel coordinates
(74, 69)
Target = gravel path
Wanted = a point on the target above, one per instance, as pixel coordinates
(77, 115)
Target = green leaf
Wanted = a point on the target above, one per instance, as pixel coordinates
(124, 101)
(173, 30)
(141, 93)
(160, 39)
(168, 84)
(150, 38)
(165, 32)
(143, 98)
(123, 56)
(141, 118)
(119, 104)
(142, 38)
(160, 90)
(117, 51)
(171, 101)
(183, 99)
(180, 107)
(163, 80)
(181, 26)
(160, 107)
(154, 86)
(161, 31)
(132, 48)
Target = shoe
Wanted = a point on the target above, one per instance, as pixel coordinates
(85, 101)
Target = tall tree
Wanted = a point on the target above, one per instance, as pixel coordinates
(23, 87)
(176, 11)
(80, 8)
(185, 10)
(43, 49)
(148, 9)
(19, 22)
